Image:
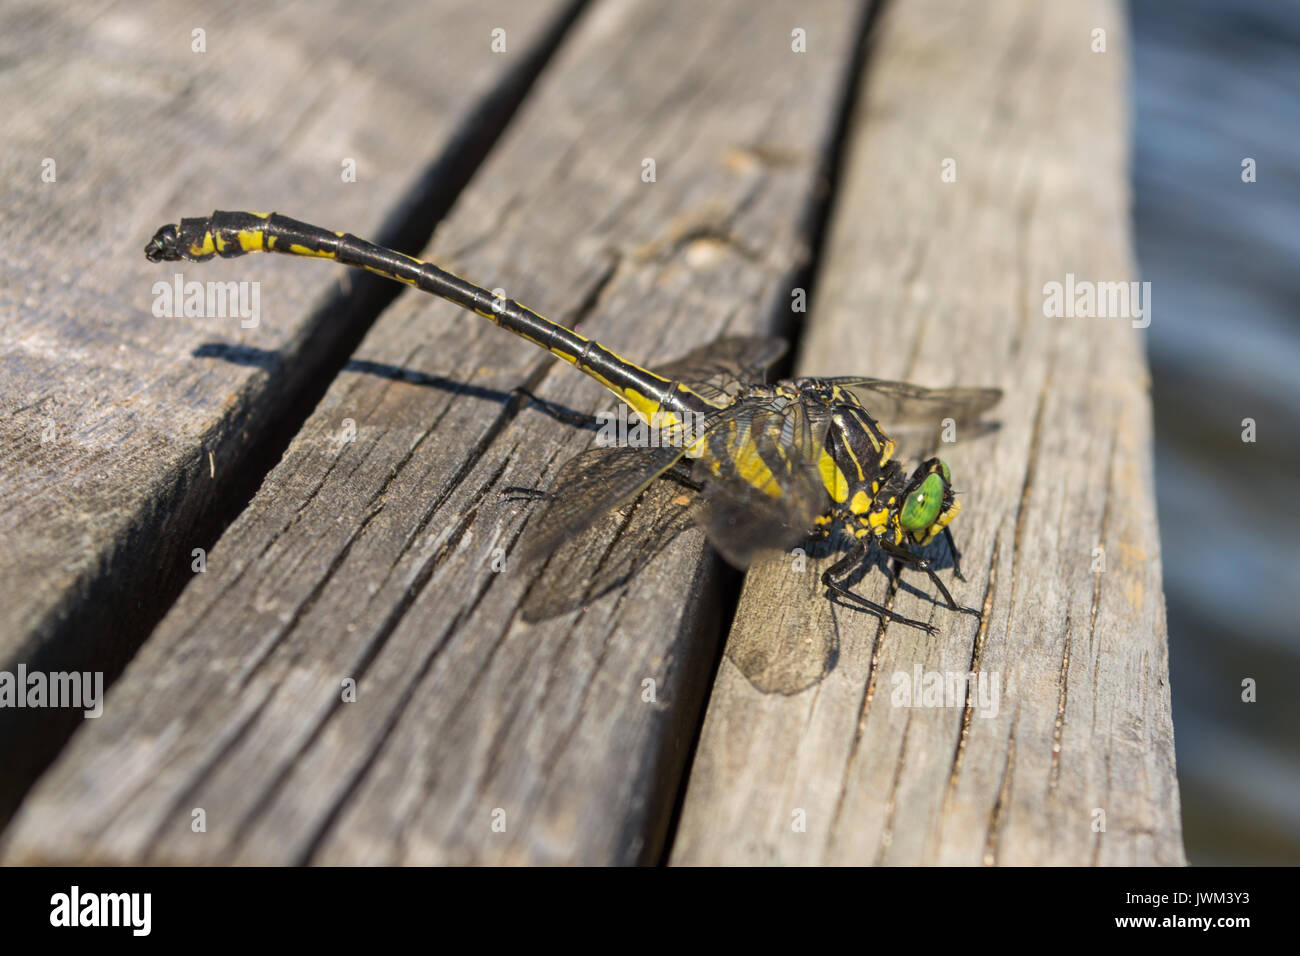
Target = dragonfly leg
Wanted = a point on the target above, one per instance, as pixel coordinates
(846, 563)
(520, 493)
(908, 559)
(680, 472)
(956, 555)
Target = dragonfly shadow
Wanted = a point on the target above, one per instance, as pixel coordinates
(270, 361)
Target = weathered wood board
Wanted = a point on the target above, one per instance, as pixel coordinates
(813, 749)
(368, 553)
(121, 431)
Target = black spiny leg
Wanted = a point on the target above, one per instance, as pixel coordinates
(846, 563)
(956, 555)
(680, 472)
(907, 558)
(560, 414)
(520, 493)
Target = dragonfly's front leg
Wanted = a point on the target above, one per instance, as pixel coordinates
(846, 564)
(956, 555)
(907, 558)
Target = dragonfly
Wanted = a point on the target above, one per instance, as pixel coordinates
(768, 464)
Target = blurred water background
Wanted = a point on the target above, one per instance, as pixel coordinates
(1215, 83)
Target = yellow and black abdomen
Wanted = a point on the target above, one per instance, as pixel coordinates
(233, 234)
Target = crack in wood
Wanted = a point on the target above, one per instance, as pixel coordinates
(1096, 587)
(997, 817)
(1031, 467)
(977, 651)
(891, 802)
(1062, 683)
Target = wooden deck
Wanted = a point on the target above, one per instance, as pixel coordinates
(341, 464)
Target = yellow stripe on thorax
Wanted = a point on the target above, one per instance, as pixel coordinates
(833, 478)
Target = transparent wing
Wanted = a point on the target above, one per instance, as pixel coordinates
(601, 480)
(901, 403)
(762, 487)
(611, 550)
(915, 417)
(589, 486)
(718, 370)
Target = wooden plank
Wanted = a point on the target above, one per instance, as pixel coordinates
(809, 753)
(124, 435)
(372, 559)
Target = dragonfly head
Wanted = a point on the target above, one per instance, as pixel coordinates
(928, 503)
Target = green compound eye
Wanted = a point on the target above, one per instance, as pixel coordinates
(922, 506)
(947, 475)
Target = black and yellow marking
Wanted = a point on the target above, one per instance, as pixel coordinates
(233, 234)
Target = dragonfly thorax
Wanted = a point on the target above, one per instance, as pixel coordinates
(857, 453)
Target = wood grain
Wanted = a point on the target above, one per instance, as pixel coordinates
(809, 753)
(372, 559)
(122, 433)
